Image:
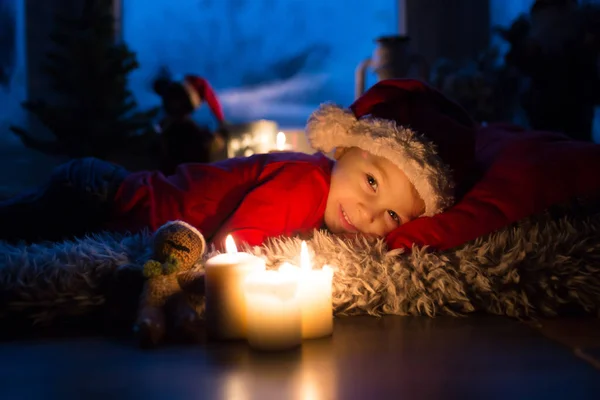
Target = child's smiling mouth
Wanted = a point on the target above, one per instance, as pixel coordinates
(346, 222)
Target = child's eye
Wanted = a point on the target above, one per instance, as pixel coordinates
(394, 216)
(372, 182)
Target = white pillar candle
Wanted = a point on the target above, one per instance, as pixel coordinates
(315, 296)
(225, 275)
(274, 318)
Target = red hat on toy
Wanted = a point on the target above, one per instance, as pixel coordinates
(198, 90)
(430, 138)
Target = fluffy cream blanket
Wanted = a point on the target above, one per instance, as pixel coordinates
(544, 266)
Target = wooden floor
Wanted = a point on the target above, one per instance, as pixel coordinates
(367, 358)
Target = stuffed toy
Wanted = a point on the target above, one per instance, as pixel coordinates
(177, 246)
(182, 139)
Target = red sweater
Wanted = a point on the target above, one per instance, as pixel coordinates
(252, 198)
(521, 173)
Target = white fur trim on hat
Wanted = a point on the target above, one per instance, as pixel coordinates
(331, 126)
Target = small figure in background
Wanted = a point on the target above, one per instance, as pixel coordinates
(182, 139)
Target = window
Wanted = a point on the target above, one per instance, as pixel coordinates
(273, 59)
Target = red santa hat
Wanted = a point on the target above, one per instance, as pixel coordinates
(198, 90)
(430, 138)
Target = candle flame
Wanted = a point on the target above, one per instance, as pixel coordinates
(280, 140)
(304, 257)
(230, 246)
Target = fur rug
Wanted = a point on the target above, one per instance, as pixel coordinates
(542, 266)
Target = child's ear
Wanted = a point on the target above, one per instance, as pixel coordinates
(339, 152)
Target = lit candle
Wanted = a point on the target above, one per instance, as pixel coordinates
(225, 303)
(274, 318)
(280, 140)
(280, 143)
(314, 294)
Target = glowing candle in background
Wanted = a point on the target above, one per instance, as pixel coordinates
(225, 303)
(280, 141)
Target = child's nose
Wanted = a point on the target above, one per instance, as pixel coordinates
(370, 221)
(366, 213)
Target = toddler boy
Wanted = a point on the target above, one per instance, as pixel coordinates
(398, 153)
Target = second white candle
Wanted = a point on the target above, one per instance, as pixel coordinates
(314, 295)
(274, 318)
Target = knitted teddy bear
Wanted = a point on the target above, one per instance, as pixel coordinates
(177, 246)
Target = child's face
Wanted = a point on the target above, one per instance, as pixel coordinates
(369, 195)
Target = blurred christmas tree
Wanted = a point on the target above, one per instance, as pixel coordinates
(94, 113)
